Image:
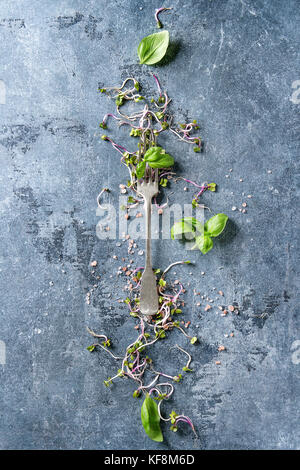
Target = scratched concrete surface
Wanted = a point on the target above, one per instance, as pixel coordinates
(236, 70)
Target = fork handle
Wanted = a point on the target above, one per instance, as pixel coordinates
(149, 296)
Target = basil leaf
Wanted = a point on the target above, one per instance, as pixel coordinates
(156, 157)
(204, 243)
(180, 228)
(198, 226)
(152, 48)
(140, 169)
(150, 419)
(215, 225)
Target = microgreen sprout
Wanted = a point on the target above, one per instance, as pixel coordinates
(158, 11)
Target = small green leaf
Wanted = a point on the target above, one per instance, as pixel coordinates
(120, 100)
(151, 419)
(173, 415)
(212, 187)
(177, 378)
(163, 182)
(215, 225)
(140, 169)
(153, 48)
(160, 334)
(204, 243)
(133, 314)
(107, 382)
(91, 348)
(162, 282)
(194, 340)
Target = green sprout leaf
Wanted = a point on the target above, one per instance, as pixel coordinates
(153, 48)
(151, 419)
(173, 415)
(194, 340)
(120, 100)
(215, 225)
(133, 314)
(177, 378)
(212, 187)
(91, 348)
(160, 334)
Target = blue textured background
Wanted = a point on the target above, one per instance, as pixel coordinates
(235, 65)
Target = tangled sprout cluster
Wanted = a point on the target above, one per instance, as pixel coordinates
(136, 361)
(147, 124)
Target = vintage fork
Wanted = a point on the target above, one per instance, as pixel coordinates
(148, 188)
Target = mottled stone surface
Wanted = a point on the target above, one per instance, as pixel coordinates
(235, 69)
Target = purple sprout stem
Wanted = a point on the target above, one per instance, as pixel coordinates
(158, 11)
(142, 387)
(202, 190)
(189, 181)
(139, 366)
(164, 375)
(138, 269)
(187, 420)
(110, 115)
(154, 76)
(167, 173)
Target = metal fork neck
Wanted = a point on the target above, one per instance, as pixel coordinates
(147, 206)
